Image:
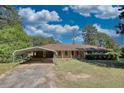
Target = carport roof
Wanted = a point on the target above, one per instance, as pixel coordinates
(31, 49)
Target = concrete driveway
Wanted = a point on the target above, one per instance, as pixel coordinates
(37, 75)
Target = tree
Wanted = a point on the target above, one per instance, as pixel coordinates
(89, 35)
(12, 36)
(39, 40)
(94, 37)
(120, 26)
(8, 15)
(122, 52)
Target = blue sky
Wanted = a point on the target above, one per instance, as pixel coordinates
(60, 21)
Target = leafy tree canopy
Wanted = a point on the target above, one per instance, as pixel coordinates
(39, 40)
(93, 37)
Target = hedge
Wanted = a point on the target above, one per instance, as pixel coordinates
(99, 56)
(107, 63)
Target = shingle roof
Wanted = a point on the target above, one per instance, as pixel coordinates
(70, 47)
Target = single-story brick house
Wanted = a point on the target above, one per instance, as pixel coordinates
(51, 51)
(73, 50)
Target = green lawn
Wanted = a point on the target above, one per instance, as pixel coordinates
(6, 67)
(73, 73)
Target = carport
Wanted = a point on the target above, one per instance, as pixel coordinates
(37, 54)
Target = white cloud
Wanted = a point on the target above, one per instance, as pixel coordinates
(34, 31)
(79, 39)
(37, 22)
(99, 11)
(37, 17)
(59, 40)
(109, 32)
(65, 9)
(61, 29)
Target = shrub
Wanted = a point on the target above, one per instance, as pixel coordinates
(101, 56)
(107, 63)
(114, 55)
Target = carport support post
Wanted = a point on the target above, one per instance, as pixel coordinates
(54, 59)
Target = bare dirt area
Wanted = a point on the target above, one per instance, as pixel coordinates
(74, 77)
(35, 75)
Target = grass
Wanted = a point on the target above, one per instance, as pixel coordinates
(99, 76)
(6, 67)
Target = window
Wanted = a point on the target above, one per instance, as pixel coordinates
(77, 52)
(59, 53)
(44, 53)
(66, 53)
(89, 52)
(72, 53)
